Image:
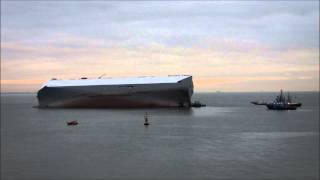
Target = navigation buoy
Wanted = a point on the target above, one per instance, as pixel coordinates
(146, 122)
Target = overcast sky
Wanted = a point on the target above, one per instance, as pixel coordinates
(228, 46)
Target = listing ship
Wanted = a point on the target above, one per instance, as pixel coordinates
(283, 103)
(144, 91)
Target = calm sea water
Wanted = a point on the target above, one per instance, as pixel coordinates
(230, 138)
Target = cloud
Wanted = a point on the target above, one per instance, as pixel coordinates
(225, 45)
(280, 24)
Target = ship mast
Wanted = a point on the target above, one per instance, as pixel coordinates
(281, 96)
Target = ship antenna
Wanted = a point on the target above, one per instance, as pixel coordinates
(101, 76)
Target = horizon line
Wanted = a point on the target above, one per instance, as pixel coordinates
(215, 91)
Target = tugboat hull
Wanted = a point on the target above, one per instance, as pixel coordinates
(280, 107)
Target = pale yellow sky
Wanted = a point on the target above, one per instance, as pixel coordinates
(241, 70)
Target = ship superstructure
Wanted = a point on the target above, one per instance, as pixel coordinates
(144, 91)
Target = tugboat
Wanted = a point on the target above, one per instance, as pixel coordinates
(197, 104)
(281, 103)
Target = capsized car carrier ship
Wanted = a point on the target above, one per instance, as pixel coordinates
(146, 91)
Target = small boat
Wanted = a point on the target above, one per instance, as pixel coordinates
(72, 123)
(197, 104)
